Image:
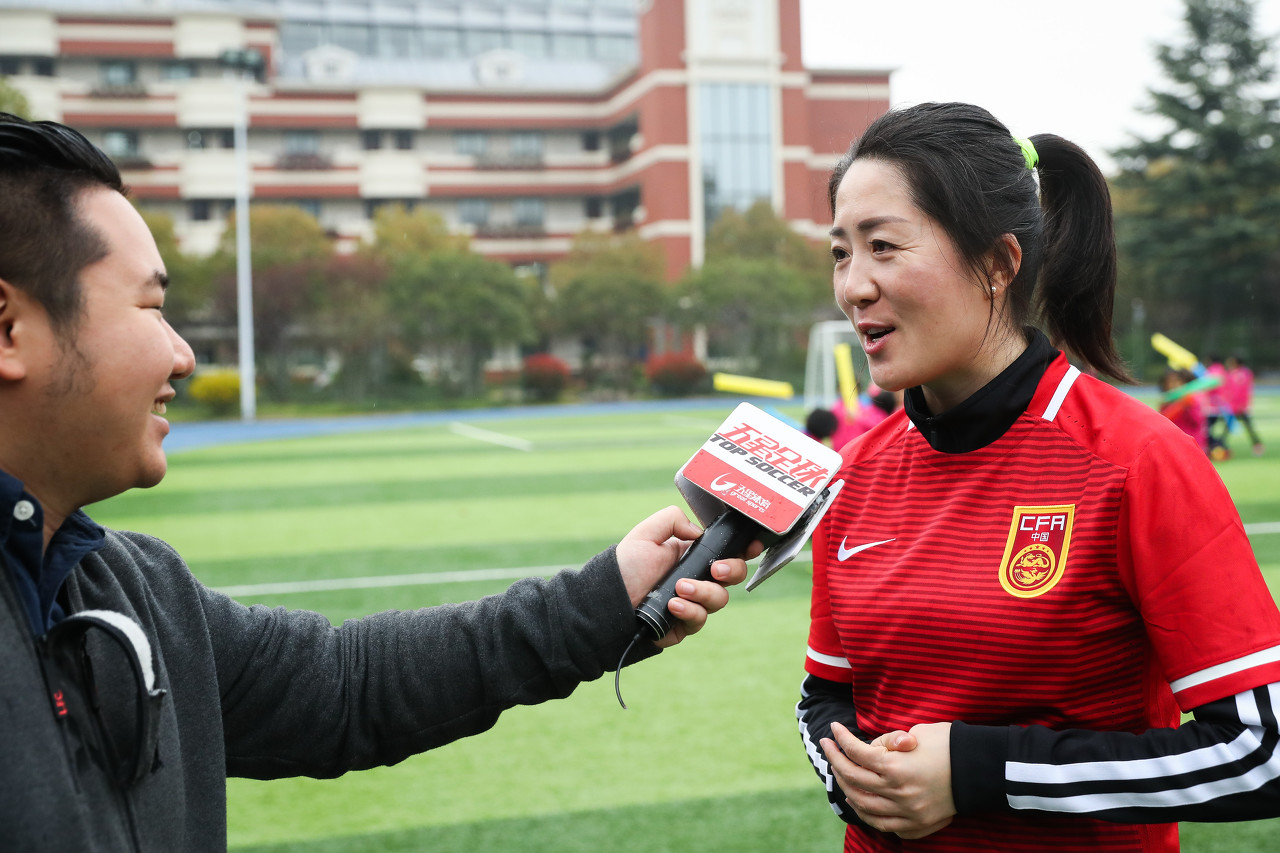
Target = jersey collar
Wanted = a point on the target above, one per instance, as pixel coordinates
(991, 410)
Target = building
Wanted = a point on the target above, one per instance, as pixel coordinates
(521, 122)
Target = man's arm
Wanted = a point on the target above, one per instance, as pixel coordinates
(300, 697)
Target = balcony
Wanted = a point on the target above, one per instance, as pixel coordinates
(131, 162)
(510, 161)
(303, 162)
(118, 90)
(510, 231)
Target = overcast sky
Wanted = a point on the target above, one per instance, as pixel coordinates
(1079, 69)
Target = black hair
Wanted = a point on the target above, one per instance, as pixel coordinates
(44, 243)
(821, 423)
(965, 171)
(886, 402)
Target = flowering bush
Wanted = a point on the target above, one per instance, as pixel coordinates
(218, 389)
(675, 374)
(544, 376)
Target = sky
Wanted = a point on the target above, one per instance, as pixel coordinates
(1080, 68)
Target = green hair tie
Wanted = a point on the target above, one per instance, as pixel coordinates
(1028, 151)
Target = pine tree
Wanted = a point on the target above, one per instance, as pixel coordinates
(1198, 205)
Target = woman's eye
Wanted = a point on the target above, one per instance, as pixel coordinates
(878, 246)
(838, 254)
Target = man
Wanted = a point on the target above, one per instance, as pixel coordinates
(129, 691)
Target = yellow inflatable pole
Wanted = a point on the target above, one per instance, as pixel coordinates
(845, 376)
(1179, 358)
(752, 386)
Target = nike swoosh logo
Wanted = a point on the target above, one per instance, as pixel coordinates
(722, 487)
(845, 553)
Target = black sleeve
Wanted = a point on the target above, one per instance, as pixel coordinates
(822, 703)
(301, 697)
(1223, 765)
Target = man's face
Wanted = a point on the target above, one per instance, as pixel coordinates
(110, 376)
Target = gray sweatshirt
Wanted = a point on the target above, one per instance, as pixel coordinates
(265, 693)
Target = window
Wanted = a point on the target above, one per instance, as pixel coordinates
(396, 42)
(42, 67)
(301, 142)
(9, 66)
(199, 210)
(120, 143)
(483, 41)
(404, 140)
(532, 45)
(473, 211)
(371, 140)
(529, 212)
(357, 38)
(196, 140)
(591, 140)
(226, 138)
(526, 145)
(737, 146)
(571, 46)
(616, 48)
(300, 36)
(177, 71)
(441, 44)
(119, 72)
(309, 206)
(471, 143)
(593, 207)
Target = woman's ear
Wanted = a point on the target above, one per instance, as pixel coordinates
(1005, 261)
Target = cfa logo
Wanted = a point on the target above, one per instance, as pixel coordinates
(1035, 556)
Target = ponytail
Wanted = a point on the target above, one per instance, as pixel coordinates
(1075, 294)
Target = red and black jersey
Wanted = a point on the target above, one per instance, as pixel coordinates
(1082, 569)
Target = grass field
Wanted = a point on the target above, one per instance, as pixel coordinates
(706, 759)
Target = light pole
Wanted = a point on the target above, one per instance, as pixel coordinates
(244, 64)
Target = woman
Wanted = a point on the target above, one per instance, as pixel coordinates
(1032, 573)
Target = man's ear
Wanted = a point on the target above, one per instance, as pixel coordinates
(12, 365)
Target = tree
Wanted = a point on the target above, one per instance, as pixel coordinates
(191, 282)
(458, 306)
(761, 288)
(12, 100)
(398, 231)
(354, 320)
(1198, 205)
(288, 251)
(605, 292)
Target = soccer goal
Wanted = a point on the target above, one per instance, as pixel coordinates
(821, 380)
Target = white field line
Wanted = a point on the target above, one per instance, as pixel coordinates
(459, 428)
(475, 575)
(328, 585)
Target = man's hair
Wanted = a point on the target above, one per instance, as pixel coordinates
(44, 243)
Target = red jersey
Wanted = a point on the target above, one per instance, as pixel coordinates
(1084, 570)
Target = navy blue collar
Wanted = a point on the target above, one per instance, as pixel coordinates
(38, 575)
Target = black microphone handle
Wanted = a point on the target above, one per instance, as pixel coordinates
(727, 536)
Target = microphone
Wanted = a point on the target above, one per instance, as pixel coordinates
(756, 477)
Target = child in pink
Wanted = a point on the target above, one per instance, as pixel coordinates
(1186, 411)
(1237, 393)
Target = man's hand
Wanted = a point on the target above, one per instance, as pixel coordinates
(650, 550)
(900, 782)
